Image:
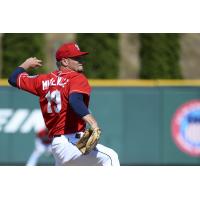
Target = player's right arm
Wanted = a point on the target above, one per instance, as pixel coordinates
(20, 78)
(32, 62)
(13, 77)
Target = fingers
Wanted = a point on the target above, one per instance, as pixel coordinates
(35, 61)
(39, 62)
(31, 62)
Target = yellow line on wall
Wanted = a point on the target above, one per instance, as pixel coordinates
(121, 83)
(4, 82)
(132, 83)
(142, 83)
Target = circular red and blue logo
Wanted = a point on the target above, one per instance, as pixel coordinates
(186, 128)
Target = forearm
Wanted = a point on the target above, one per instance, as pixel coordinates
(91, 121)
(25, 66)
(29, 63)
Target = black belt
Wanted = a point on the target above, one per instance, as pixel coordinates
(77, 135)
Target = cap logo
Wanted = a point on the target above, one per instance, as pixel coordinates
(76, 45)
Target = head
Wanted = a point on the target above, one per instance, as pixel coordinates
(69, 56)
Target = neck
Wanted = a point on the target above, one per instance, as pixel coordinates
(65, 69)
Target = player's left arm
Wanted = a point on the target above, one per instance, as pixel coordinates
(79, 89)
(77, 103)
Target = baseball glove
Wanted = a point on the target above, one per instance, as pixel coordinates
(89, 140)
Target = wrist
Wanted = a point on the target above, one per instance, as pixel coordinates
(95, 127)
(91, 121)
(24, 66)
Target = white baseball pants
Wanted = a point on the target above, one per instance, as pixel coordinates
(66, 153)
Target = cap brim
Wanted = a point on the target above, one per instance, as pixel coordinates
(80, 54)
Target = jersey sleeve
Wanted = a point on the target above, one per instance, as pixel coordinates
(28, 83)
(79, 84)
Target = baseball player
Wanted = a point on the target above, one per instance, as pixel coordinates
(64, 96)
(42, 145)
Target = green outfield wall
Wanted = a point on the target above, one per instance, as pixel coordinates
(135, 117)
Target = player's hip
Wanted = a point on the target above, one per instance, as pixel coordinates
(63, 148)
(64, 138)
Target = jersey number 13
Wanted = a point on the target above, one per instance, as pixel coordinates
(54, 97)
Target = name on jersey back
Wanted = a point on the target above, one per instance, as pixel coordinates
(59, 81)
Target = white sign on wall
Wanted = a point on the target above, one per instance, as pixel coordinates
(20, 120)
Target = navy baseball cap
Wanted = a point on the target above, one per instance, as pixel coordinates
(69, 50)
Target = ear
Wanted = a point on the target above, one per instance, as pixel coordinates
(65, 62)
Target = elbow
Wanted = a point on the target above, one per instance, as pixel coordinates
(12, 82)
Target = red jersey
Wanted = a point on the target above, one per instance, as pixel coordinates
(53, 90)
(43, 135)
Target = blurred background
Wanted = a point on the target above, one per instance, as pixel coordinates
(146, 94)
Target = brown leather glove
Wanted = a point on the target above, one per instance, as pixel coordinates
(89, 140)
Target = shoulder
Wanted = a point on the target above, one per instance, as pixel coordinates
(79, 79)
(79, 83)
(79, 76)
(44, 76)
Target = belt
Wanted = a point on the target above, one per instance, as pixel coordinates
(77, 135)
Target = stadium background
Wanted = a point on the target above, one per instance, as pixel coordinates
(135, 114)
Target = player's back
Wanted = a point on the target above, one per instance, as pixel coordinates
(53, 90)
